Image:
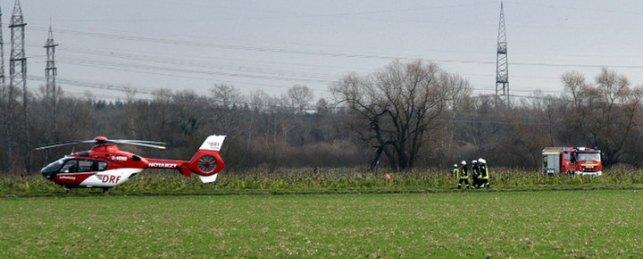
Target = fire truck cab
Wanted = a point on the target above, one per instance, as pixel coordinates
(572, 160)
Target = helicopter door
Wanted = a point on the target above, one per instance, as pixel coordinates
(74, 172)
(85, 166)
(100, 165)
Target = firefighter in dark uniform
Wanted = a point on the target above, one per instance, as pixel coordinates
(475, 173)
(484, 173)
(455, 170)
(463, 175)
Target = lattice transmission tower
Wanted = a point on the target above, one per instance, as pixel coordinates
(51, 90)
(50, 68)
(502, 65)
(18, 72)
(17, 59)
(2, 76)
(4, 98)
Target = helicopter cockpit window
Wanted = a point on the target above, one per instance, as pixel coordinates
(54, 166)
(70, 166)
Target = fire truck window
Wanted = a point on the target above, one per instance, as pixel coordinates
(589, 157)
(566, 156)
(102, 166)
(85, 165)
(70, 166)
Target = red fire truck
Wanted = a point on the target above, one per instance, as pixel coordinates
(572, 160)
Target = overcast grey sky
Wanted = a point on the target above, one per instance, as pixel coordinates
(272, 45)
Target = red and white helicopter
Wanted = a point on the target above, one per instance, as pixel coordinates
(105, 166)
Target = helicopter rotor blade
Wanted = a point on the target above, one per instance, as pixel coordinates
(64, 144)
(103, 140)
(140, 141)
(137, 144)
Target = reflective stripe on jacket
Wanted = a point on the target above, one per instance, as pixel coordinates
(484, 172)
(463, 174)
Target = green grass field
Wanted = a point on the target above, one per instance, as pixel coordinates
(600, 223)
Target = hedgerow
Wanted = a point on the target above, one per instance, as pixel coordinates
(324, 180)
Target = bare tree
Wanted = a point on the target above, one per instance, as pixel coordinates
(226, 95)
(300, 97)
(322, 106)
(397, 107)
(602, 115)
(614, 114)
(259, 101)
(130, 94)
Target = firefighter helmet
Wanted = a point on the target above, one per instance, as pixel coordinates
(463, 162)
(482, 161)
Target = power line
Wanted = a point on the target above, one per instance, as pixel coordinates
(211, 79)
(122, 67)
(191, 62)
(146, 69)
(577, 8)
(285, 15)
(188, 63)
(320, 53)
(150, 58)
(204, 72)
(151, 70)
(95, 85)
(129, 89)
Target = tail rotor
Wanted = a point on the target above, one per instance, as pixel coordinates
(207, 161)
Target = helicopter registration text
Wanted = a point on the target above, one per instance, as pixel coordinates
(118, 158)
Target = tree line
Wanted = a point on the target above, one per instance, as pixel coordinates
(402, 116)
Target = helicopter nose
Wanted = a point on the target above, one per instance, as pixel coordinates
(45, 173)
